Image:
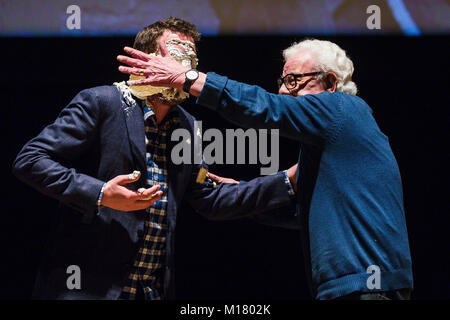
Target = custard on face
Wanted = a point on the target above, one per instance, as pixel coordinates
(182, 49)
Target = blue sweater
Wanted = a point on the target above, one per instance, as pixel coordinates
(350, 202)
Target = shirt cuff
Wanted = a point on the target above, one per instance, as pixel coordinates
(212, 90)
(100, 196)
(288, 184)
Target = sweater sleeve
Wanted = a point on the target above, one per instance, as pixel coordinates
(228, 201)
(313, 118)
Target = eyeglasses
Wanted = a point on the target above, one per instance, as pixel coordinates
(290, 80)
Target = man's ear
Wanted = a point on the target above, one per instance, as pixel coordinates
(331, 81)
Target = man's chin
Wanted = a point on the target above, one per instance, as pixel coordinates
(171, 101)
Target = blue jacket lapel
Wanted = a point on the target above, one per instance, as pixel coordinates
(134, 119)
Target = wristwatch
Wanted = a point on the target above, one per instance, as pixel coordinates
(190, 77)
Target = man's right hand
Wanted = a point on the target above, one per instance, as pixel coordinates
(118, 196)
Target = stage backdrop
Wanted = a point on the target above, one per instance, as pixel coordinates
(214, 17)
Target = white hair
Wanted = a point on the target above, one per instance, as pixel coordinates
(329, 57)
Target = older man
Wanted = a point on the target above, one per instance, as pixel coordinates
(115, 234)
(350, 203)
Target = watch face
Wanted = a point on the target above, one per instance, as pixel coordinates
(192, 74)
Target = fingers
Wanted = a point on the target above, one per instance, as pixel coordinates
(218, 179)
(147, 194)
(139, 72)
(143, 198)
(137, 54)
(127, 178)
(142, 56)
(143, 82)
(132, 62)
(215, 178)
(135, 71)
(144, 204)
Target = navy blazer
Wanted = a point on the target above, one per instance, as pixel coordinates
(98, 136)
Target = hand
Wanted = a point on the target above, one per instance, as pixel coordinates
(292, 173)
(218, 179)
(158, 71)
(119, 197)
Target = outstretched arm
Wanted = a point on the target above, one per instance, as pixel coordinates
(312, 119)
(283, 217)
(227, 201)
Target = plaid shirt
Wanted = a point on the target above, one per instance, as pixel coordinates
(148, 268)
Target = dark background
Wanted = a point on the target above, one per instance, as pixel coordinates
(403, 79)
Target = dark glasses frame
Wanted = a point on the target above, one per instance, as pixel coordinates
(283, 80)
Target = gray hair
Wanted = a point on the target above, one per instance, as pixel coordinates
(329, 57)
